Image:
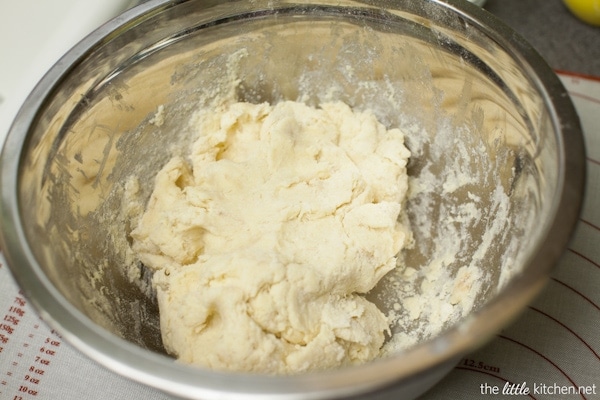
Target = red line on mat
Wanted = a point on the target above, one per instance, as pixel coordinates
(577, 75)
(544, 357)
(596, 227)
(584, 257)
(567, 328)
(584, 96)
(578, 292)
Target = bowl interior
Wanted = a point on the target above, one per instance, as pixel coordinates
(484, 171)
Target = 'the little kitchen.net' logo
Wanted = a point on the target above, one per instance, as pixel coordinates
(525, 389)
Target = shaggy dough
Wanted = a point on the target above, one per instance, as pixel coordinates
(264, 240)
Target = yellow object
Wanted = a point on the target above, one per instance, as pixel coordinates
(586, 10)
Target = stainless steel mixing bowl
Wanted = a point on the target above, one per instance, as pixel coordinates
(475, 99)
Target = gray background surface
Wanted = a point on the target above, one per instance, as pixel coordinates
(566, 43)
